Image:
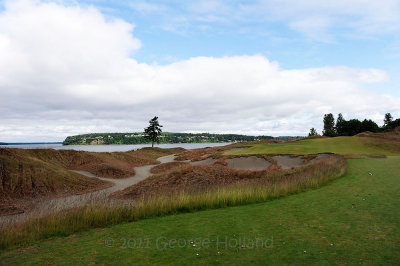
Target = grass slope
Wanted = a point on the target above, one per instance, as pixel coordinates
(27, 174)
(23, 176)
(352, 220)
(338, 145)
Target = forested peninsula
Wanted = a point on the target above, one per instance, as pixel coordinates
(166, 137)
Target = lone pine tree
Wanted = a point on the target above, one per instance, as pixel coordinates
(153, 131)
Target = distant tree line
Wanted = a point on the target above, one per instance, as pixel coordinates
(343, 127)
(165, 137)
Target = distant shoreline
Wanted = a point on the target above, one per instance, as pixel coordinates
(134, 138)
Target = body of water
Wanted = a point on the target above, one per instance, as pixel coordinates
(112, 148)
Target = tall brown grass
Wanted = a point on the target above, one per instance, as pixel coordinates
(106, 214)
(27, 174)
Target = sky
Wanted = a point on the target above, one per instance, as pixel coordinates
(258, 67)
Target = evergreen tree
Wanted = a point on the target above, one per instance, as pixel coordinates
(353, 127)
(387, 121)
(329, 125)
(369, 125)
(341, 125)
(153, 131)
(313, 132)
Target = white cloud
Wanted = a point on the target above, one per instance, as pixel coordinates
(146, 7)
(315, 17)
(68, 70)
(321, 20)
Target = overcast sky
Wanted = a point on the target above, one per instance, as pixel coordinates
(271, 67)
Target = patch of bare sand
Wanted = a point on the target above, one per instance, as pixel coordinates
(321, 156)
(288, 162)
(253, 163)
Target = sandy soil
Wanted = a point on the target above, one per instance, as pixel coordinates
(288, 162)
(253, 163)
(321, 156)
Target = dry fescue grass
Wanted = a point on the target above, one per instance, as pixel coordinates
(195, 178)
(27, 174)
(204, 153)
(166, 167)
(251, 188)
(24, 176)
(312, 137)
(388, 141)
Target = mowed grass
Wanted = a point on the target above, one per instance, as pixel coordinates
(352, 220)
(338, 145)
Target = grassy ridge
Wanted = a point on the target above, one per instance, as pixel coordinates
(338, 145)
(197, 178)
(350, 221)
(164, 167)
(66, 223)
(27, 174)
(30, 172)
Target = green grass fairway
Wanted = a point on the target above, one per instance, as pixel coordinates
(352, 220)
(338, 145)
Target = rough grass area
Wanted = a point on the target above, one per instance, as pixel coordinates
(166, 167)
(266, 188)
(204, 153)
(25, 177)
(196, 178)
(388, 141)
(26, 174)
(338, 145)
(351, 221)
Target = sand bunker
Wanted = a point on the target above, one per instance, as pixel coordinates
(288, 162)
(253, 163)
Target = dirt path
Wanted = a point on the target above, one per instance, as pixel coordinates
(43, 206)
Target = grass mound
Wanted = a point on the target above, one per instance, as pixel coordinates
(198, 178)
(166, 167)
(29, 177)
(34, 173)
(204, 153)
(389, 141)
(379, 144)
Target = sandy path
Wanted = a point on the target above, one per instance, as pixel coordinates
(43, 207)
(142, 172)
